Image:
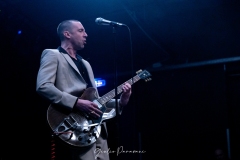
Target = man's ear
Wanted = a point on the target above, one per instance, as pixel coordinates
(66, 34)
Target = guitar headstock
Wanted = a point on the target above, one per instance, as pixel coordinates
(144, 75)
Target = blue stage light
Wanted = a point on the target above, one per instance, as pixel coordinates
(19, 32)
(100, 82)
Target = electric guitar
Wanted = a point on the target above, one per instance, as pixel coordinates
(77, 128)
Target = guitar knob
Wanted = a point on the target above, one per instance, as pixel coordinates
(80, 138)
(89, 140)
(85, 131)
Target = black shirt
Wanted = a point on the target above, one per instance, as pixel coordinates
(81, 67)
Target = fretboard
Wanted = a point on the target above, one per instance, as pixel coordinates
(107, 97)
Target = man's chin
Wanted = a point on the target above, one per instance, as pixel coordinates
(80, 48)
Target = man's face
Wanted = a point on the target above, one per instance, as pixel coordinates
(78, 36)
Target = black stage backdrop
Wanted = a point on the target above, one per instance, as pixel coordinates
(181, 113)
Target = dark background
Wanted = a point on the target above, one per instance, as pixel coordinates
(191, 48)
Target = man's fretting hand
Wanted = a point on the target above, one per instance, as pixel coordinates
(127, 91)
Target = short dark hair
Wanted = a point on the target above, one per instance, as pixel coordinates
(63, 26)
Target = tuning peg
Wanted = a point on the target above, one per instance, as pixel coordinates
(139, 71)
(148, 79)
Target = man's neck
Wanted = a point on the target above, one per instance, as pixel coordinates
(69, 50)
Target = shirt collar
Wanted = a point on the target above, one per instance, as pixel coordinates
(62, 50)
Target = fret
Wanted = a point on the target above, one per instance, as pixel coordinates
(107, 97)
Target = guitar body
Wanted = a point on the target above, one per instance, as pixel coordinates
(77, 128)
(73, 127)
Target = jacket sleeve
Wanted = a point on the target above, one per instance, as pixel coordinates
(46, 79)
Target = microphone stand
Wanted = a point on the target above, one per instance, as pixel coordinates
(116, 86)
(116, 81)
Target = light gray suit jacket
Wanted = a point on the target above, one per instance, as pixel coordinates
(60, 82)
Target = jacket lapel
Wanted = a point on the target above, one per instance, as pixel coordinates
(69, 60)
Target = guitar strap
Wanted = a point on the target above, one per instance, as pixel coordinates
(83, 70)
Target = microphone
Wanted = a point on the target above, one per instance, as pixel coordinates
(101, 21)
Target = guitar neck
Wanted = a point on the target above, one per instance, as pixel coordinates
(108, 96)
